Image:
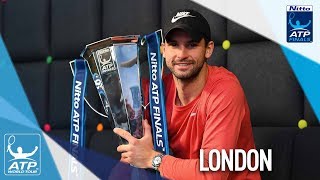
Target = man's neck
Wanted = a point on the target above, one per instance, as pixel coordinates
(188, 90)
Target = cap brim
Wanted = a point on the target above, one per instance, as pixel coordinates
(194, 34)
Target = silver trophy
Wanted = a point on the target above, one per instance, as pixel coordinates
(114, 64)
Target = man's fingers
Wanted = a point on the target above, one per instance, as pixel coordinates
(146, 125)
(123, 148)
(146, 128)
(125, 155)
(124, 160)
(124, 134)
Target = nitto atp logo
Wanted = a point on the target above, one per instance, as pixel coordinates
(22, 154)
(299, 24)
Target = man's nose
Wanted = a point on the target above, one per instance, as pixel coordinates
(182, 53)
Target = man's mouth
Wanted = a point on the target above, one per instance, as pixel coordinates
(182, 65)
(182, 62)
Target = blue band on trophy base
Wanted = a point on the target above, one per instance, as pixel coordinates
(156, 93)
(78, 117)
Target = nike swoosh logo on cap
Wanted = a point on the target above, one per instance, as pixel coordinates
(180, 15)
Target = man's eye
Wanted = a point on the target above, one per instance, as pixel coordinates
(172, 44)
(192, 45)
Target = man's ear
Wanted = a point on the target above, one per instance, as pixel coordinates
(209, 49)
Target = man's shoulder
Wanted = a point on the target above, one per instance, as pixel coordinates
(220, 72)
(223, 91)
(219, 78)
(223, 87)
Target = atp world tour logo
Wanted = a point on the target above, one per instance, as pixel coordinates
(299, 24)
(22, 154)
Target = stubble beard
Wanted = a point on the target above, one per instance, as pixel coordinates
(189, 76)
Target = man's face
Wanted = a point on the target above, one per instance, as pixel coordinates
(184, 57)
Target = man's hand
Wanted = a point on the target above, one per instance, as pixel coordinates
(139, 152)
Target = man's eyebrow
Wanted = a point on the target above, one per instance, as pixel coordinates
(174, 41)
(193, 41)
(171, 41)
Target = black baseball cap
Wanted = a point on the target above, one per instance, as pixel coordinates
(191, 22)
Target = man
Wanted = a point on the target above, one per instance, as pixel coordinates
(206, 107)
